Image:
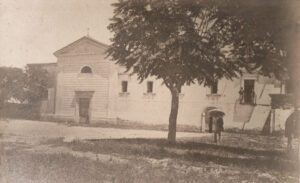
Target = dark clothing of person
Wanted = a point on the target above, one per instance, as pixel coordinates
(241, 93)
(292, 125)
(220, 124)
(216, 134)
(210, 124)
(218, 128)
(292, 128)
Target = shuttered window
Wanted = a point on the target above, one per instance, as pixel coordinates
(150, 87)
(124, 86)
(214, 88)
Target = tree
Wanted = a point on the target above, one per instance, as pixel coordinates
(179, 42)
(11, 84)
(37, 83)
(270, 31)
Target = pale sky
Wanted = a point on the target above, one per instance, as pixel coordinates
(32, 30)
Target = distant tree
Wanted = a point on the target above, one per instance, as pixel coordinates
(11, 84)
(183, 42)
(37, 83)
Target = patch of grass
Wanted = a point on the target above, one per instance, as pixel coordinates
(155, 160)
(27, 167)
(194, 152)
(58, 168)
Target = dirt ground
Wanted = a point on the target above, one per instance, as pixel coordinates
(34, 151)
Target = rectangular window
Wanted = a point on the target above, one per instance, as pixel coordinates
(124, 86)
(214, 88)
(150, 87)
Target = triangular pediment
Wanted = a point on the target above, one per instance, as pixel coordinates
(84, 45)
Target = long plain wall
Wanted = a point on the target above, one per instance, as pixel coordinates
(137, 105)
(155, 108)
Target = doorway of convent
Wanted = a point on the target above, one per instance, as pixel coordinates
(84, 105)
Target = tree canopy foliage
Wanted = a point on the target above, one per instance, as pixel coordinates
(37, 83)
(269, 31)
(196, 36)
(30, 85)
(11, 84)
(175, 41)
(262, 32)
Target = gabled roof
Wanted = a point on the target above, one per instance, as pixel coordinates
(97, 43)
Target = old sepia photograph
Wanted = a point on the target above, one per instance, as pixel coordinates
(149, 91)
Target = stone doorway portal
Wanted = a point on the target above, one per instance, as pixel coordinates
(83, 109)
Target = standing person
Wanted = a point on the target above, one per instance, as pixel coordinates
(241, 93)
(292, 128)
(210, 124)
(218, 128)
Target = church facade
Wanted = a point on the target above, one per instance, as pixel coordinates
(92, 88)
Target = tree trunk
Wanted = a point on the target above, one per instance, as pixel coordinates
(173, 118)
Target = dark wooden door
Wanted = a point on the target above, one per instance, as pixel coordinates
(248, 91)
(84, 105)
